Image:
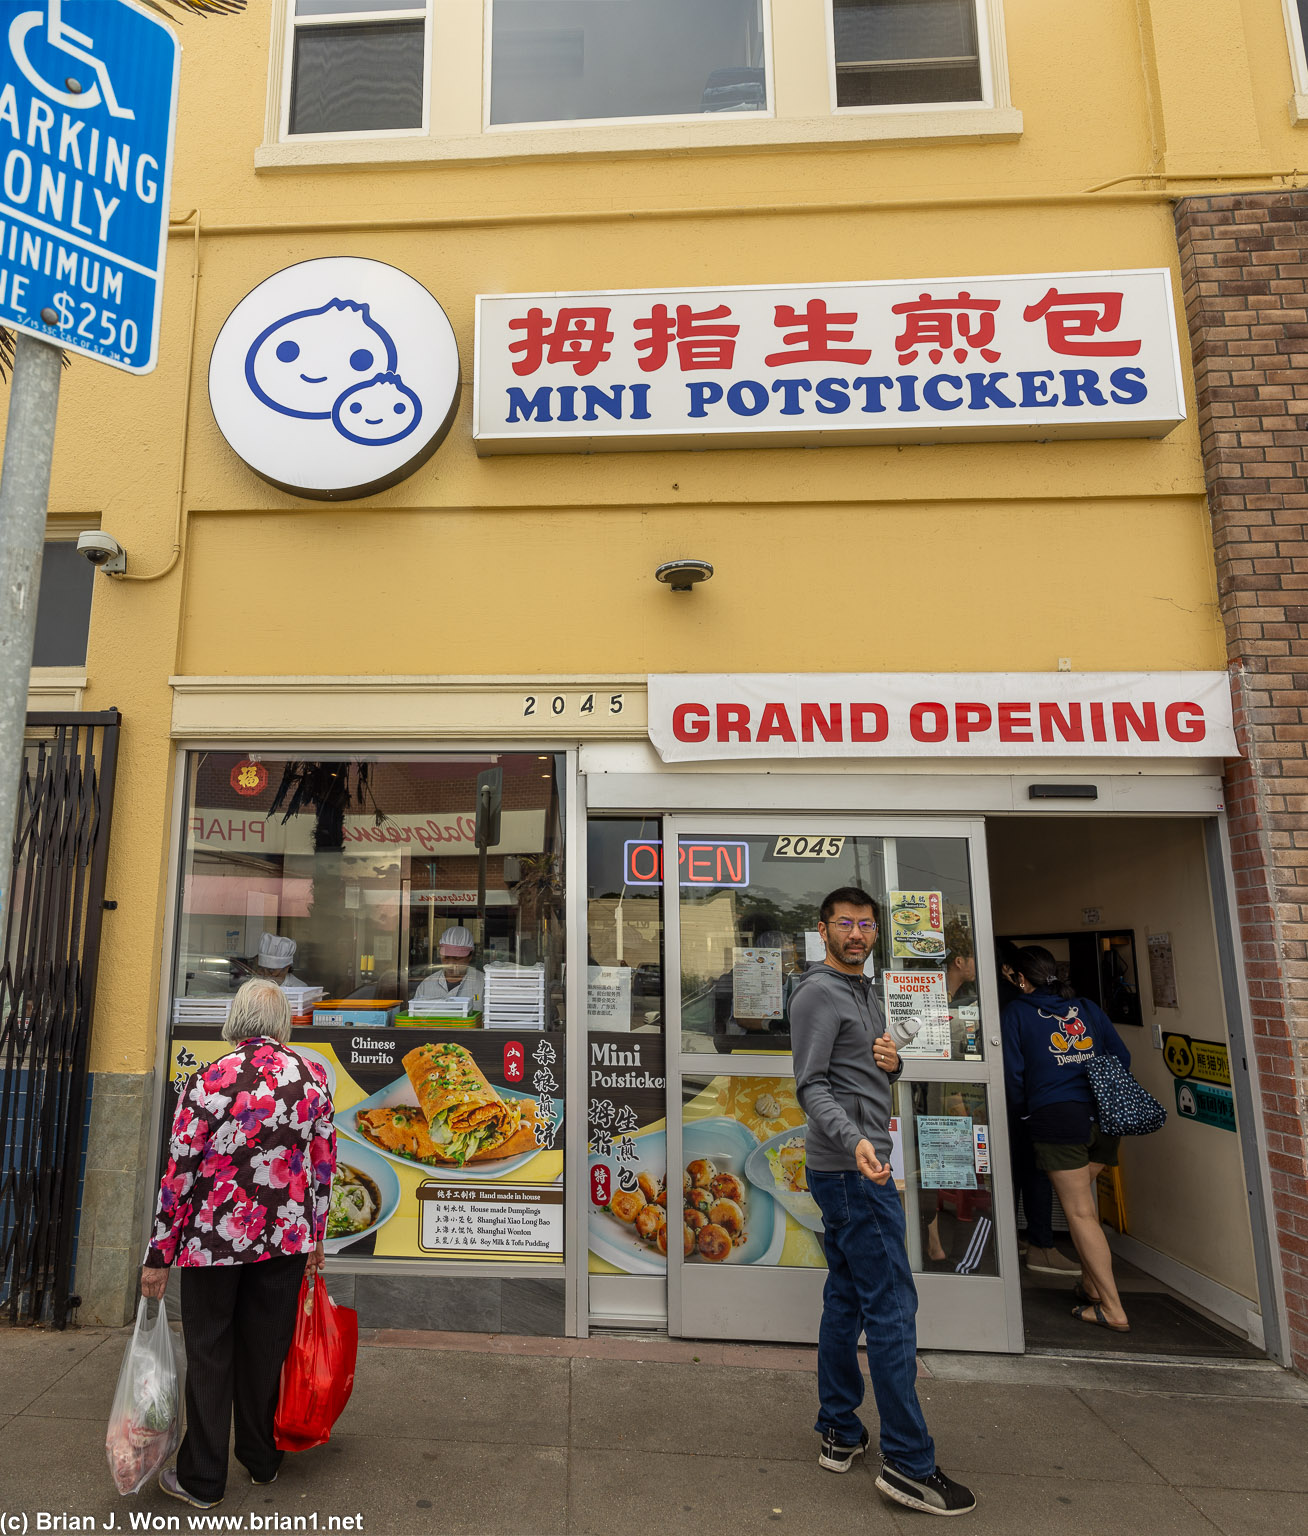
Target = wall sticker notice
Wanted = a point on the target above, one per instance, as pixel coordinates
(1162, 970)
(917, 1013)
(1206, 1104)
(1208, 1061)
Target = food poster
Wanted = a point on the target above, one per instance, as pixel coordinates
(449, 1143)
(756, 984)
(745, 1196)
(917, 926)
(627, 1153)
(917, 1012)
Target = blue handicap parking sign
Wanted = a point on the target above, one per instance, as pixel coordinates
(88, 106)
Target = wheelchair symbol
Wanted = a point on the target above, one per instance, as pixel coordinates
(76, 45)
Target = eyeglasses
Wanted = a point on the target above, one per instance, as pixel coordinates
(845, 925)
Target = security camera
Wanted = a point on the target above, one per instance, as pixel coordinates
(102, 550)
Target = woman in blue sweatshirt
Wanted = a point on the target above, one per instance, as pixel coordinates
(1049, 1035)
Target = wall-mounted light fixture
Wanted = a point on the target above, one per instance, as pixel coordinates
(682, 575)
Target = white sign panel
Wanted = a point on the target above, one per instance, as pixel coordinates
(941, 714)
(608, 997)
(917, 1013)
(1061, 354)
(335, 378)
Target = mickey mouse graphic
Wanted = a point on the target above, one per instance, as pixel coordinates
(1070, 1032)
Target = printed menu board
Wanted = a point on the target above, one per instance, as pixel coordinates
(917, 928)
(756, 983)
(418, 1175)
(917, 1012)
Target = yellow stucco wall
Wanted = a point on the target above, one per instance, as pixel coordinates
(993, 556)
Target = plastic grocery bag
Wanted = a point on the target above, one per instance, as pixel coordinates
(145, 1420)
(318, 1375)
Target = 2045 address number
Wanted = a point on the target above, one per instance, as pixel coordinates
(561, 705)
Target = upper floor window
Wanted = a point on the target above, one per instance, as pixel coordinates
(63, 606)
(557, 61)
(905, 52)
(469, 81)
(357, 66)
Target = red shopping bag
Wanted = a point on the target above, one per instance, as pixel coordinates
(318, 1376)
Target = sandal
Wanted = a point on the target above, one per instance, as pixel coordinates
(1098, 1320)
(1082, 1297)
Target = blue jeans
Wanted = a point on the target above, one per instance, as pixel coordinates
(870, 1288)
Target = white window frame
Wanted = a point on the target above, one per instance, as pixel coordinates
(1298, 103)
(989, 16)
(799, 63)
(293, 24)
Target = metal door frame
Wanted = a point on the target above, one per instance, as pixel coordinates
(787, 1302)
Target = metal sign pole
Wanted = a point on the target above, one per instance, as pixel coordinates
(24, 497)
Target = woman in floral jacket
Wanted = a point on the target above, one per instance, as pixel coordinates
(242, 1213)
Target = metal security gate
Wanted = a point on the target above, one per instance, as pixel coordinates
(47, 998)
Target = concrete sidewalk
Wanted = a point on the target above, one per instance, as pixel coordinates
(475, 1435)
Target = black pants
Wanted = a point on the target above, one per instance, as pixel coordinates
(238, 1321)
(1032, 1183)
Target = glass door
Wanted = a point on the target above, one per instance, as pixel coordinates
(741, 902)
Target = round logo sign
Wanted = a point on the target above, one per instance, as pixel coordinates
(335, 378)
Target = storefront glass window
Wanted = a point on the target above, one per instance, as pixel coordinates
(572, 60)
(745, 1177)
(749, 909)
(624, 928)
(354, 882)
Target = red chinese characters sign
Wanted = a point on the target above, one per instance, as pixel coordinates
(249, 778)
(1052, 355)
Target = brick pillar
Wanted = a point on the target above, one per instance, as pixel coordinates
(1244, 269)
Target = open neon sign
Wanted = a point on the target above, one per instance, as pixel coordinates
(713, 861)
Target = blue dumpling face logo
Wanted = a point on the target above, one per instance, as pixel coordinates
(302, 364)
(335, 378)
(381, 410)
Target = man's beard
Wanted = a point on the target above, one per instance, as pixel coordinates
(849, 952)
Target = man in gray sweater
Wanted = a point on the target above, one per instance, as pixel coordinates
(845, 1063)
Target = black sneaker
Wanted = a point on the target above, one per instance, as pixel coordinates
(836, 1457)
(934, 1495)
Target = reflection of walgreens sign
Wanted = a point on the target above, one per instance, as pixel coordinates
(965, 714)
(709, 862)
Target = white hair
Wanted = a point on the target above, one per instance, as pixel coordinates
(259, 1008)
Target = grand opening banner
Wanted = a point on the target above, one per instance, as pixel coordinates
(1050, 355)
(700, 716)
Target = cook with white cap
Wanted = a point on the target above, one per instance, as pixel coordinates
(455, 976)
(275, 958)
